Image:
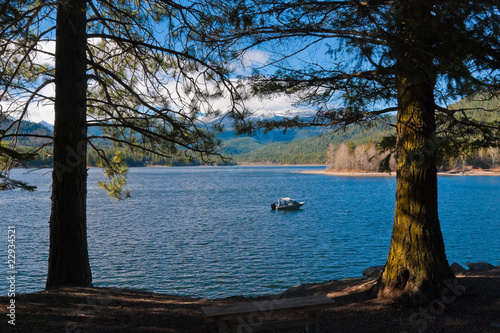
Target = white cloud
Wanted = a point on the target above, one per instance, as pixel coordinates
(45, 111)
(47, 51)
(38, 110)
(279, 102)
(254, 58)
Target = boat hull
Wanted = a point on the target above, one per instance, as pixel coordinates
(287, 207)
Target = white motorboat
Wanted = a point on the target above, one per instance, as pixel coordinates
(286, 204)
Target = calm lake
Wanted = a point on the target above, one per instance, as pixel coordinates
(210, 232)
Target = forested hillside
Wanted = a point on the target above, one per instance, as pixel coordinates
(313, 150)
(352, 155)
(28, 127)
(491, 108)
(305, 146)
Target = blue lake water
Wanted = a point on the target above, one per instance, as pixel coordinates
(209, 231)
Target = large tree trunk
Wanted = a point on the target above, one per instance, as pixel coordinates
(417, 268)
(68, 255)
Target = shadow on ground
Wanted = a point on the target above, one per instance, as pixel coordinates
(123, 310)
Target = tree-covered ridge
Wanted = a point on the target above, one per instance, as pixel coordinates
(480, 109)
(313, 150)
(44, 158)
(29, 128)
(294, 147)
(305, 146)
(351, 154)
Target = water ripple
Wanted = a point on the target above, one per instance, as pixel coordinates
(209, 232)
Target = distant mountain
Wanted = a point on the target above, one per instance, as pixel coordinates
(41, 128)
(304, 150)
(260, 115)
(47, 125)
(275, 135)
(28, 127)
(91, 130)
(302, 146)
(281, 114)
(294, 146)
(311, 148)
(243, 144)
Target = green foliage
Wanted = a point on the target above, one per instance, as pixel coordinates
(8, 159)
(149, 81)
(307, 151)
(115, 171)
(313, 150)
(8, 155)
(7, 183)
(343, 59)
(302, 147)
(241, 145)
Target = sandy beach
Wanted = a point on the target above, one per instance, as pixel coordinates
(358, 173)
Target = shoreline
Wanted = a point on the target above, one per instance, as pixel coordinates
(94, 309)
(358, 173)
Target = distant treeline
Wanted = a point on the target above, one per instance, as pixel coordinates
(483, 158)
(354, 147)
(366, 157)
(314, 150)
(343, 156)
(131, 159)
(363, 157)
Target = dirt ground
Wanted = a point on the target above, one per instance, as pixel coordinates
(122, 310)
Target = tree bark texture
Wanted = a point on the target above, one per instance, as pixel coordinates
(68, 253)
(416, 268)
